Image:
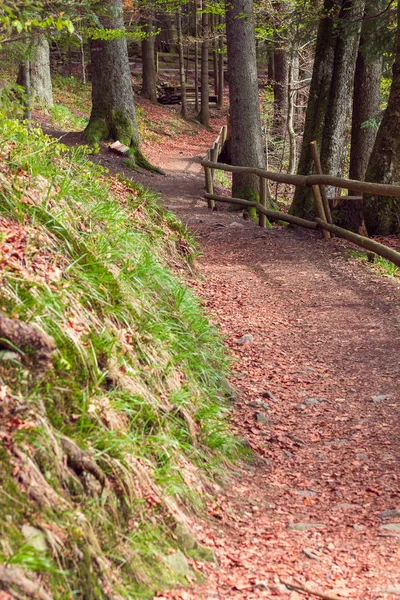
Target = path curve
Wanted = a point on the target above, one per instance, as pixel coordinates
(318, 401)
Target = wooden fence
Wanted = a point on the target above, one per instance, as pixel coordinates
(317, 183)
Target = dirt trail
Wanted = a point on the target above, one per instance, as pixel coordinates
(318, 400)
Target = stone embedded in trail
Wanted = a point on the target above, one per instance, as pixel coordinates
(306, 493)
(246, 339)
(305, 526)
(34, 537)
(391, 513)
(313, 401)
(393, 589)
(310, 553)
(362, 456)
(347, 506)
(235, 225)
(301, 407)
(268, 394)
(178, 564)
(261, 418)
(391, 527)
(380, 398)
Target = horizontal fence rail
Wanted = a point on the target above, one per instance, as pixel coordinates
(317, 182)
(377, 189)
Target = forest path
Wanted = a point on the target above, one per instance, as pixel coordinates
(318, 401)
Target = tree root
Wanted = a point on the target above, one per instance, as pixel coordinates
(80, 462)
(184, 415)
(27, 340)
(297, 585)
(14, 577)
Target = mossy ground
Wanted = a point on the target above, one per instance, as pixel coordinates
(136, 387)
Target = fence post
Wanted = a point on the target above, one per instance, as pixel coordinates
(214, 152)
(318, 169)
(262, 219)
(224, 134)
(209, 182)
(320, 209)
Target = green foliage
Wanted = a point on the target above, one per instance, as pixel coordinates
(378, 263)
(137, 367)
(61, 116)
(28, 17)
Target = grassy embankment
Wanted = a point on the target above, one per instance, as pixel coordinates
(105, 453)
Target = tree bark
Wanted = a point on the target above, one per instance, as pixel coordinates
(39, 72)
(196, 58)
(182, 79)
(149, 86)
(338, 116)
(281, 92)
(328, 108)
(246, 140)
(366, 105)
(318, 101)
(221, 78)
(113, 111)
(294, 71)
(204, 116)
(382, 215)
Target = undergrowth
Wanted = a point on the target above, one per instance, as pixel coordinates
(109, 452)
(378, 263)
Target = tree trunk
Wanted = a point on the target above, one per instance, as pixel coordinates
(113, 111)
(182, 79)
(271, 65)
(338, 116)
(246, 140)
(382, 215)
(328, 108)
(294, 71)
(26, 78)
(204, 115)
(221, 78)
(366, 105)
(215, 54)
(39, 72)
(281, 92)
(196, 58)
(149, 87)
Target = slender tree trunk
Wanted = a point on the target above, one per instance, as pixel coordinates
(271, 65)
(26, 77)
(181, 66)
(281, 92)
(246, 140)
(113, 111)
(292, 97)
(149, 87)
(83, 64)
(196, 58)
(221, 78)
(215, 54)
(382, 215)
(204, 116)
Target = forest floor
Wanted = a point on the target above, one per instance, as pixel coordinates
(317, 380)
